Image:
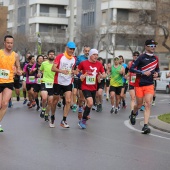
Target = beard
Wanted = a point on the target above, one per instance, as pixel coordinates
(51, 59)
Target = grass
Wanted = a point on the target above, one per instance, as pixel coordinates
(165, 118)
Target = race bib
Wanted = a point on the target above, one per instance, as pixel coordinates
(91, 80)
(133, 78)
(48, 85)
(4, 74)
(31, 79)
(38, 80)
(24, 79)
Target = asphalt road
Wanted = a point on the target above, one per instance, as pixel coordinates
(108, 143)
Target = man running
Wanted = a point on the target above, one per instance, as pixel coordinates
(146, 68)
(64, 70)
(116, 83)
(132, 78)
(81, 99)
(92, 70)
(47, 85)
(9, 64)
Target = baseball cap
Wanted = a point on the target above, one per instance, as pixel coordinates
(71, 44)
(149, 42)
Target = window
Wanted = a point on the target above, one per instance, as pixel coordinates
(122, 15)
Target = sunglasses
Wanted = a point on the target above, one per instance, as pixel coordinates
(136, 55)
(152, 46)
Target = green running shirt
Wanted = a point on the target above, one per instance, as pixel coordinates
(48, 75)
(116, 78)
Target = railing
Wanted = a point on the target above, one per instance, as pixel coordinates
(52, 15)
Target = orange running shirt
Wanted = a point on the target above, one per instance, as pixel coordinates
(7, 67)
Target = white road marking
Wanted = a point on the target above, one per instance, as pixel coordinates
(126, 122)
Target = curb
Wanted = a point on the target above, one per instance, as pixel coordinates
(160, 125)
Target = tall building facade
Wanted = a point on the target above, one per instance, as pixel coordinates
(118, 27)
(3, 21)
(29, 17)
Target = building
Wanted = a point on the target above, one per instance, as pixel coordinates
(3, 20)
(118, 27)
(29, 17)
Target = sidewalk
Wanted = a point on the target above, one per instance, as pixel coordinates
(158, 124)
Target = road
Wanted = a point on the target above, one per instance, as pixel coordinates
(108, 143)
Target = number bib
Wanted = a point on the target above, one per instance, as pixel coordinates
(4, 74)
(48, 85)
(31, 79)
(133, 78)
(38, 80)
(91, 80)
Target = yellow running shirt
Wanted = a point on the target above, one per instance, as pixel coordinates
(7, 67)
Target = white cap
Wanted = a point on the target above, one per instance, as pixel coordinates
(93, 51)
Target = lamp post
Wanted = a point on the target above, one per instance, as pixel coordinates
(71, 36)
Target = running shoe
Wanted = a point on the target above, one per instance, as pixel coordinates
(52, 124)
(82, 124)
(132, 118)
(116, 111)
(112, 110)
(142, 108)
(64, 124)
(146, 130)
(10, 104)
(94, 107)
(33, 104)
(99, 108)
(1, 130)
(38, 108)
(80, 110)
(42, 113)
(59, 105)
(18, 98)
(25, 101)
(29, 103)
(153, 103)
(107, 99)
(46, 117)
(74, 108)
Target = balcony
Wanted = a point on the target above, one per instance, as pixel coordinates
(52, 15)
(128, 4)
(49, 20)
(51, 2)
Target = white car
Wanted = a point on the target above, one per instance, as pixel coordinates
(164, 83)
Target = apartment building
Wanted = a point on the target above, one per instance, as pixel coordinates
(3, 20)
(29, 17)
(118, 27)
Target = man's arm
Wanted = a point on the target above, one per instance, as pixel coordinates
(17, 65)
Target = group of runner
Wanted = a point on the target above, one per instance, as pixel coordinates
(78, 82)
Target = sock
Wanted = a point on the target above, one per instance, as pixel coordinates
(64, 118)
(154, 97)
(113, 106)
(37, 101)
(86, 112)
(25, 94)
(145, 125)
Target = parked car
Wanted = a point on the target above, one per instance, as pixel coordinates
(164, 83)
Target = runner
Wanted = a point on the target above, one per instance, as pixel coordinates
(132, 78)
(31, 79)
(116, 82)
(125, 83)
(81, 99)
(146, 67)
(47, 85)
(107, 84)
(100, 88)
(24, 79)
(37, 85)
(91, 71)
(64, 70)
(9, 60)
